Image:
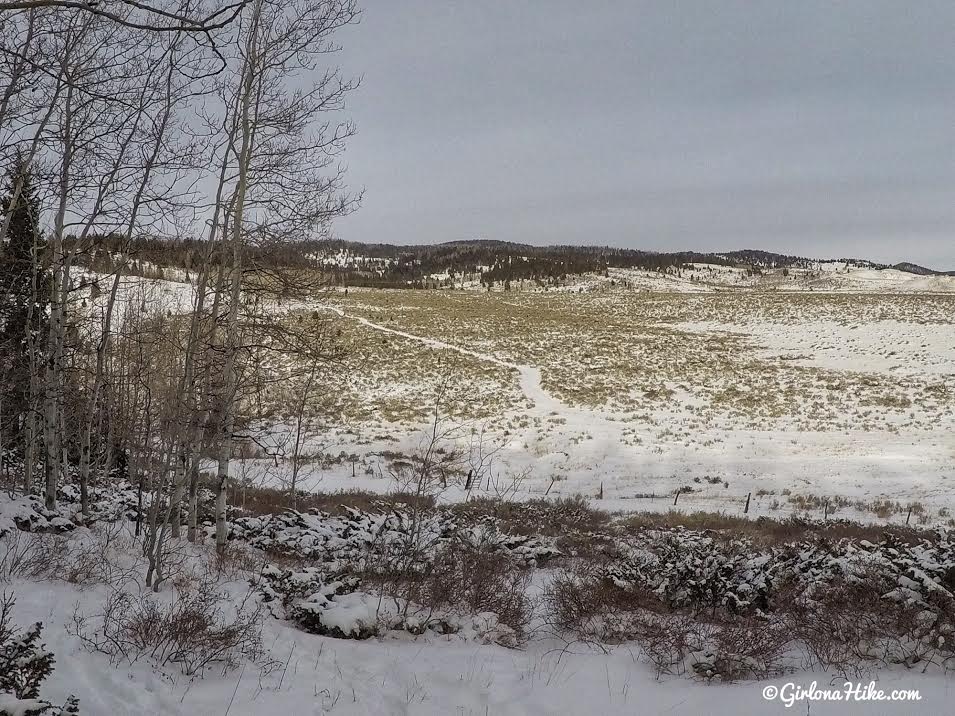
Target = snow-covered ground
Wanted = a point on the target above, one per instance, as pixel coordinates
(793, 398)
(854, 449)
(670, 346)
(704, 278)
(426, 676)
(393, 673)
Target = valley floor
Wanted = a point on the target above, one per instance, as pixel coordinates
(818, 404)
(764, 404)
(809, 402)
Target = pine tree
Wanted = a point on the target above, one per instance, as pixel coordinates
(24, 294)
(24, 665)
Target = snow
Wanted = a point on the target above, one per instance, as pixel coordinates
(564, 449)
(588, 450)
(425, 676)
(894, 348)
(351, 613)
(408, 669)
(12, 706)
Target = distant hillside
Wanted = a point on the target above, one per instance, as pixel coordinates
(491, 262)
(500, 262)
(921, 270)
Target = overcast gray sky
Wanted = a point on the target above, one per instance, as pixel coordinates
(811, 127)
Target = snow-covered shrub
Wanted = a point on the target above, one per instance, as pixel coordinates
(687, 569)
(461, 580)
(847, 602)
(357, 538)
(887, 602)
(11, 705)
(683, 568)
(333, 606)
(437, 567)
(847, 624)
(309, 597)
(28, 514)
(24, 665)
(752, 647)
(121, 500)
(336, 540)
(481, 595)
(117, 502)
(346, 615)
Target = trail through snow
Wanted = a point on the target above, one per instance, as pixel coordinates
(561, 449)
(530, 377)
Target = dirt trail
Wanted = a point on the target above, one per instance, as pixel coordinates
(605, 434)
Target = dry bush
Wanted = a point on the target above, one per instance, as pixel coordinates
(235, 561)
(745, 648)
(194, 631)
(849, 626)
(538, 517)
(593, 609)
(579, 529)
(668, 640)
(724, 647)
(462, 580)
(266, 501)
(480, 581)
(837, 633)
(87, 558)
(25, 555)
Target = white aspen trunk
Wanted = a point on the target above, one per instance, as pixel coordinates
(175, 500)
(192, 530)
(232, 329)
(192, 403)
(52, 394)
(299, 429)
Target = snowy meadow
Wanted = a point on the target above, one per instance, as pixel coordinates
(536, 501)
(809, 403)
(256, 460)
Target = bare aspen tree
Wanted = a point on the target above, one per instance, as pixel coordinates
(124, 109)
(162, 90)
(299, 436)
(279, 153)
(92, 171)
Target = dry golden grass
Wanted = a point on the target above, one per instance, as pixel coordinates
(623, 353)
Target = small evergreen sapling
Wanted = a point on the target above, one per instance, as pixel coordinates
(24, 665)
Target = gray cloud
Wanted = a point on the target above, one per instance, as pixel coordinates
(812, 127)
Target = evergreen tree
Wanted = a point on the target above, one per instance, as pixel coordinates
(24, 295)
(24, 664)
